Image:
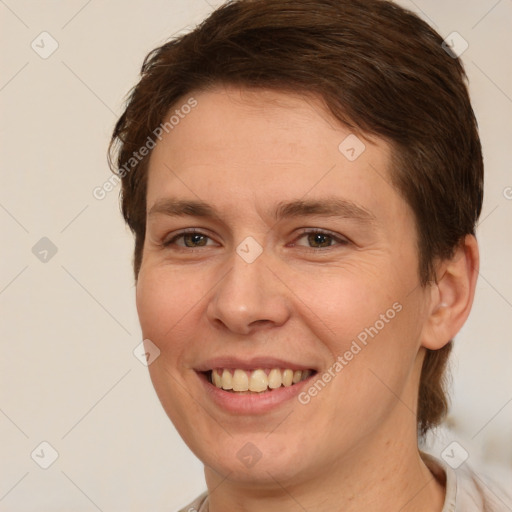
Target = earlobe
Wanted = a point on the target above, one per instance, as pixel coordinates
(452, 295)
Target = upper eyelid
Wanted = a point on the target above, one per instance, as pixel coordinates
(190, 231)
(302, 232)
(321, 231)
(340, 239)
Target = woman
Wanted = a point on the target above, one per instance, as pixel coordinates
(303, 179)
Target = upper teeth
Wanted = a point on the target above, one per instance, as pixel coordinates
(256, 380)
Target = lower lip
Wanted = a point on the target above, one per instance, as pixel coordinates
(254, 403)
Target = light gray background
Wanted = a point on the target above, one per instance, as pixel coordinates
(69, 325)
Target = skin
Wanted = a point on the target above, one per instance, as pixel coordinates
(354, 445)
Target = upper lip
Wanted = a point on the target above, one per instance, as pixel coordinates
(252, 363)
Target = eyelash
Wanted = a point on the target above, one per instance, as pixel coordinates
(341, 241)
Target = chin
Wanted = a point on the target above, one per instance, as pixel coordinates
(253, 459)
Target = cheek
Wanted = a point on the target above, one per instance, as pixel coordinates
(345, 300)
(164, 298)
(165, 303)
(369, 319)
(382, 356)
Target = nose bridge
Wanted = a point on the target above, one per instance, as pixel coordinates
(249, 294)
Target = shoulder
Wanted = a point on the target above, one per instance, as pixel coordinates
(200, 504)
(469, 490)
(475, 489)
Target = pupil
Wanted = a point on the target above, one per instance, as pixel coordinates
(195, 238)
(319, 238)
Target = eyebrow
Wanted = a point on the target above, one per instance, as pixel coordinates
(326, 207)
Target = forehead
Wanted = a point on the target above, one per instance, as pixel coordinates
(262, 122)
(261, 147)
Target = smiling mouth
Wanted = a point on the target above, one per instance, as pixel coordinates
(259, 380)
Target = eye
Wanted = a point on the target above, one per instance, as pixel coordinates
(191, 239)
(316, 238)
(319, 239)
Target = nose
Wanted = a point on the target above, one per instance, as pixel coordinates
(248, 297)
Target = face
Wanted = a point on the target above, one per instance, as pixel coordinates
(303, 258)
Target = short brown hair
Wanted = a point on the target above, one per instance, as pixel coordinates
(378, 68)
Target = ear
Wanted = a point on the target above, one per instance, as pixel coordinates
(451, 295)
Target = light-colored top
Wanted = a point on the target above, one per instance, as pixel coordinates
(466, 491)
